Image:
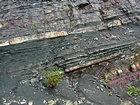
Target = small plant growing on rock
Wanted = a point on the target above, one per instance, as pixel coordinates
(34, 25)
(133, 91)
(110, 93)
(53, 77)
(104, 80)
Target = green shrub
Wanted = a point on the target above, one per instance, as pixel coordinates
(133, 91)
(53, 77)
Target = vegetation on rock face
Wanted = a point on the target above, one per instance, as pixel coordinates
(34, 25)
(53, 77)
(105, 80)
(133, 91)
(110, 93)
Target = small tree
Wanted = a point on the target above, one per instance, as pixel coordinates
(53, 77)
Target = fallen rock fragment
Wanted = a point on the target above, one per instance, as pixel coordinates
(138, 65)
(133, 68)
(1, 25)
(126, 103)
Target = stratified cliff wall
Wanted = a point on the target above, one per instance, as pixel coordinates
(48, 35)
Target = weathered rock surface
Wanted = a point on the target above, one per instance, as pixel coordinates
(27, 20)
(46, 35)
(96, 92)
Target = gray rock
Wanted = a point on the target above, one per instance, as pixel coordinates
(94, 94)
(60, 102)
(64, 91)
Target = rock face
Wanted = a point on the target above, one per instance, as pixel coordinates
(87, 29)
(18, 18)
(96, 92)
(38, 35)
(79, 21)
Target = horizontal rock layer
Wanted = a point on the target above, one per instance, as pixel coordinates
(30, 33)
(22, 21)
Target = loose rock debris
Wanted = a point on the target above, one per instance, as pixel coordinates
(110, 36)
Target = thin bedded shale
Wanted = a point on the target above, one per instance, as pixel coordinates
(83, 43)
(18, 18)
(63, 52)
(30, 43)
